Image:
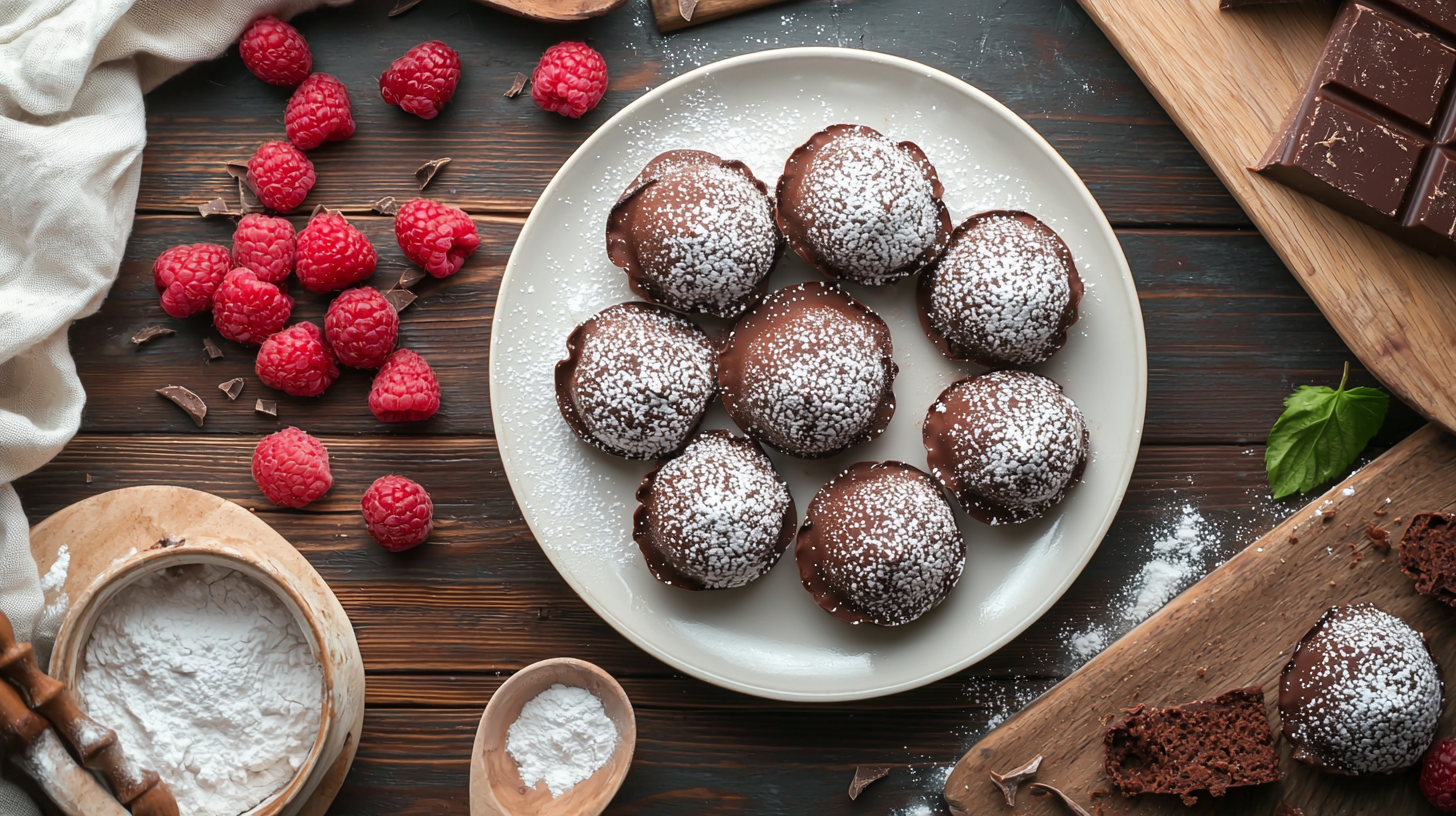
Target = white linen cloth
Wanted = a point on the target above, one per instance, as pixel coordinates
(72, 128)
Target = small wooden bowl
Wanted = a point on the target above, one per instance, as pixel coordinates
(554, 11)
(496, 788)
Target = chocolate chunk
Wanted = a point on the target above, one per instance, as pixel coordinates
(232, 387)
(686, 9)
(517, 85)
(151, 333)
(399, 299)
(324, 209)
(268, 407)
(214, 207)
(187, 401)
(428, 171)
(385, 206)
(402, 6)
(864, 775)
(410, 277)
(213, 352)
(1012, 779)
(1428, 555)
(1044, 789)
(1375, 134)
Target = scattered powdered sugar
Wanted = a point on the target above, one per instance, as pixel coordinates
(562, 736)
(1002, 290)
(1369, 695)
(718, 511)
(869, 208)
(207, 679)
(643, 378)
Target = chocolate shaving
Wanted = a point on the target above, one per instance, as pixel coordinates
(399, 299)
(410, 277)
(864, 775)
(151, 333)
(214, 207)
(169, 541)
(517, 85)
(385, 206)
(1038, 787)
(1011, 780)
(187, 401)
(686, 9)
(428, 171)
(268, 407)
(232, 387)
(213, 352)
(323, 209)
(402, 6)
(1377, 536)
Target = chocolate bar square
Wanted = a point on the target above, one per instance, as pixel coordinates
(1374, 135)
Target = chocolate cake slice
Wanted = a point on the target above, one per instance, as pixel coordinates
(1207, 745)
(1428, 555)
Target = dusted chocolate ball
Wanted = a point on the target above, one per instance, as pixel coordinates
(809, 371)
(880, 545)
(696, 233)
(1003, 294)
(1361, 694)
(1007, 444)
(636, 380)
(715, 516)
(859, 207)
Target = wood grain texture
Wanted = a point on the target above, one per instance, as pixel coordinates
(1237, 628)
(1228, 79)
(669, 13)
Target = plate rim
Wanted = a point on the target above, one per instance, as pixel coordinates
(1129, 291)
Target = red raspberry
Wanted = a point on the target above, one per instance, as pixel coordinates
(280, 175)
(332, 254)
(570, 79)
(423, 80)
(361, 327)
(405, 390)
(297, 361)
(399, 513)
(264, 244)
(291, 468)
(434, 235)
(247, 310)
(188, 275)
(275, 52)
(318, 112)
(1438, 775)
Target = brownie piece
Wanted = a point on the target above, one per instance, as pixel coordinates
(1428, 555)
(1207, 745)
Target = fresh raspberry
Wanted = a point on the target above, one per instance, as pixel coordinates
(1438, 775)
(275, 52)
(434, 235)
(361, 327)
(570, 79)
(332, 254)
(188, 275)
(291, 468)
(399, 513)
(264, 244)
(280, 175)
(423, 80)
(318, 112)
(247, 310)
(405, 389)
(297, 361)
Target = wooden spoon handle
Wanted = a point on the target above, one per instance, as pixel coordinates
(139, 789)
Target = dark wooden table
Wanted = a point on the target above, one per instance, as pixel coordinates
(1230, 334)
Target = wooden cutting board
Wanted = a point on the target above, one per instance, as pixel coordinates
(1236, 628)
(1228, 78)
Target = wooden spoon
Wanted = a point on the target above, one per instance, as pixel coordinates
(554, 11)
(496, 788)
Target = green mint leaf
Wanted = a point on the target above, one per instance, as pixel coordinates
(1320, 433)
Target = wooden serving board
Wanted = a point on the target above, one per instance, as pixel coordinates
(1228, 78)
(669, 13)
(1236, 628)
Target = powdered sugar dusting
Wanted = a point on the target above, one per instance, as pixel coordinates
(869, 209)
(1001, 290)
(718, 511)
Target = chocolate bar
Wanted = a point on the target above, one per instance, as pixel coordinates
(1374, 135)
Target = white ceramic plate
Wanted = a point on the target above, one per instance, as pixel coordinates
(769, 638)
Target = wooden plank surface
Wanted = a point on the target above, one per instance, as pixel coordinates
(1228, 79)
(1229, 332)
(1237, 628)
